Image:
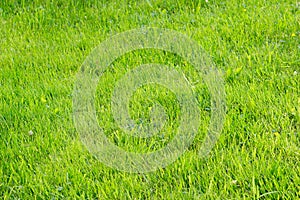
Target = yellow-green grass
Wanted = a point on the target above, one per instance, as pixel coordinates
(255, 43)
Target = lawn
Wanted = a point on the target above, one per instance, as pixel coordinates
(256, 46)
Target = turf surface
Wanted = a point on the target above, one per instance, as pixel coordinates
(255, 43)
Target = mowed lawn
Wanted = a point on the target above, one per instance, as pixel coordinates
(255, 43)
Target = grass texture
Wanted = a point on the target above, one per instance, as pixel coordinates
(255, 43)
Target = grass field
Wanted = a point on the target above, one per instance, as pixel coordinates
(255, 43)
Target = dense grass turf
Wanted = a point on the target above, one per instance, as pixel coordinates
(256, 44)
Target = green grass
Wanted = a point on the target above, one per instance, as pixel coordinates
(256, 44)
